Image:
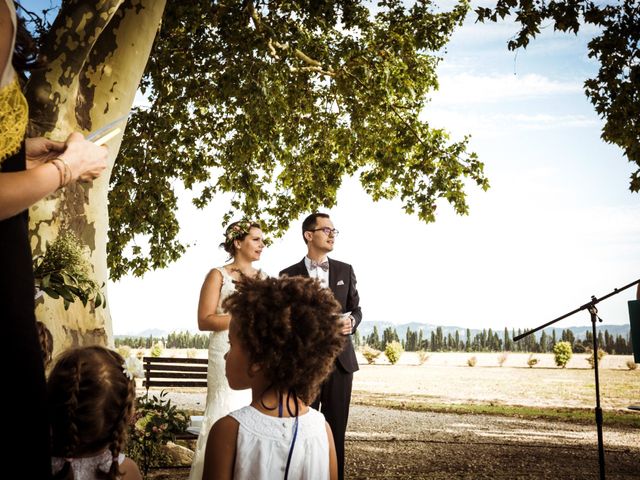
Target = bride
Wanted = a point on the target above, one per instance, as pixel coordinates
(244, 243)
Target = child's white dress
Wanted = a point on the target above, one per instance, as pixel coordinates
(264, 442)
(87, 468)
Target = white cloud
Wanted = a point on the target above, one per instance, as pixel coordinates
(465, 89)
(492, 125)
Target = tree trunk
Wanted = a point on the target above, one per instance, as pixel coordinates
(95, 53)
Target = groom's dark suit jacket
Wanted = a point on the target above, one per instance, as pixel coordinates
(342, 282)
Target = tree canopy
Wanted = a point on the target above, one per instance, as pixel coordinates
(615, 91)
(276, 102)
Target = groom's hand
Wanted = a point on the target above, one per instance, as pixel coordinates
(347, 325)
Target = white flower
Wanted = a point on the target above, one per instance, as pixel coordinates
(132, 368)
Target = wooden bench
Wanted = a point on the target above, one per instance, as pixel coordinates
(174, 372)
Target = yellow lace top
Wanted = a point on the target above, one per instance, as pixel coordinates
(14, 114)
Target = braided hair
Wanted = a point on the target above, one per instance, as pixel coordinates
(46, 343)
(91, 401)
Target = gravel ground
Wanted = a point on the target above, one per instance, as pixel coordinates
(395, 444)
(384, 443)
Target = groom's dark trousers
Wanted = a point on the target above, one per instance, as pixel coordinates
(335, 393)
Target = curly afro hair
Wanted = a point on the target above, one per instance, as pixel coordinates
(290, 327)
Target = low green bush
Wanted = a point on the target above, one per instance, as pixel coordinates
(124, 351)
(157, 349)
(422, 357)
(393, 352)
(370, 354)
(502, 358)
(562, 353)
(601, 354)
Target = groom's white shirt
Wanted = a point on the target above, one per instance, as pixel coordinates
(318, 273)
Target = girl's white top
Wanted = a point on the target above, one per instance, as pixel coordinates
(264, 442)
(87, 468)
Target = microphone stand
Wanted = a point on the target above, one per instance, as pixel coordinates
(593, 312)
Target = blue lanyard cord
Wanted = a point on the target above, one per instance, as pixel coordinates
(293, 442)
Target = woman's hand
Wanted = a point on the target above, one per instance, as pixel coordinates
(85, 159)
(41, 150)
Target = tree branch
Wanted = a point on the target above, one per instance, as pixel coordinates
(393, 109)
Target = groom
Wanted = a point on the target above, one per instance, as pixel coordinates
(335, 394)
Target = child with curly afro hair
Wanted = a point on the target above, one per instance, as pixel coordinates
(284, 336)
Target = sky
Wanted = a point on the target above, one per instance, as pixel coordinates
(557, 225)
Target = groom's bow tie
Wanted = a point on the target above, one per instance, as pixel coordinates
(323, 265)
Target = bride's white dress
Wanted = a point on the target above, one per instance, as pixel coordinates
(221, 400)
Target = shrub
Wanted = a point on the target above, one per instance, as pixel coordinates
(192, 353)
(370, 354)
(124, 351)
(422, 357)
(471, 361)
(157, 349)
(631, 365)
(532, 361)
(393, 351)
(562, 353)
(156, 421)
(601, 353)
(502, 358)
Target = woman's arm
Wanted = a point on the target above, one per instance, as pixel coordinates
(220, 454)
(20, 190)
(208, 319)
(333, 458)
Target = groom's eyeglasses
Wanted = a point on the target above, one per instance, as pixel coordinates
(326, 230)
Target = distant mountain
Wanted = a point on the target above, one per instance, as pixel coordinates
(366, 328)
(150, 332)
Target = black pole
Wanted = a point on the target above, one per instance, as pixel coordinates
(586, 306)
(591, 307)
(594, 316)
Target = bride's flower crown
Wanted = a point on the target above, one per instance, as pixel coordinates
(238, 230)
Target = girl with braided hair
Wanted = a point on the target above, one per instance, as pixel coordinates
(284, 336)
(91, 402)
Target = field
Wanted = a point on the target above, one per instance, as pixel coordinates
(446, 378)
